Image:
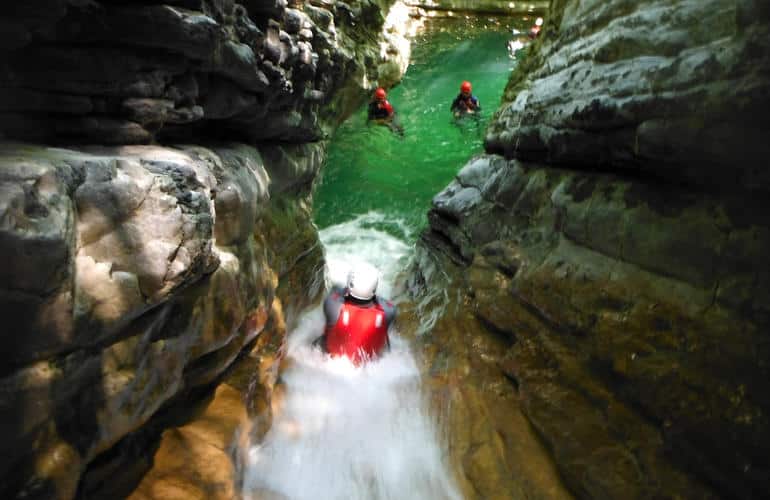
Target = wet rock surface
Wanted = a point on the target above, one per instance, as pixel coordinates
(492, 449)
(112, 73)
(140, 274)
(615, 233)
(665, 90)
(613, 304)
(139, 303)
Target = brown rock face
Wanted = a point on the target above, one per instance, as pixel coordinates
(616, 234)
(494, 452)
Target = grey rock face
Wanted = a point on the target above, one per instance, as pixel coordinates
(601, 274)
(671, 90)
(137, 272)
(140, 273)
(616, 234)
(105, 72)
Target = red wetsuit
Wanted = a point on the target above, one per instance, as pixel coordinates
(356, 329)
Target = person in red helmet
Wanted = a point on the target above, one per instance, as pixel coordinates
(534, 31)
(382, 112)
(465, 102)
(357, 320)
(379, 108)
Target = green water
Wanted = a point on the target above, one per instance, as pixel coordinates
(371, 169)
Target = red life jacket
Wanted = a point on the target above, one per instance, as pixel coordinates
(359, 333)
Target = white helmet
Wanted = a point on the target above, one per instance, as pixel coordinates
(362, 281)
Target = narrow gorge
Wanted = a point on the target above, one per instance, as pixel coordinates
(585, 304)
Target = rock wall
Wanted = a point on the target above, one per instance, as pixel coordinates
(479, 6)
(114, 73)
(147, 252)
(615, 233)
(138, 273)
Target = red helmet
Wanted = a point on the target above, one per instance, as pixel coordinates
(465, 87)
(380, 93)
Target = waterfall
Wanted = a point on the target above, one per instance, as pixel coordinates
(346, 432)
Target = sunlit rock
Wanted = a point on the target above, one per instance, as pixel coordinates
(147, 297)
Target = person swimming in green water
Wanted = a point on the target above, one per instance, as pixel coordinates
(381, 112)
(465, 103)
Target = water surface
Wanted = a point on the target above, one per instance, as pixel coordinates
(370, 169)
(346, 432)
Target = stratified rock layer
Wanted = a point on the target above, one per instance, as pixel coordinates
(112, 73)
(670, 90)
(617, 236)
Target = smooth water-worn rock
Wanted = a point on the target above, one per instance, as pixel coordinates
(493, 450)
(616, 235)
(141, 273)
(581, 268)
(122, 295)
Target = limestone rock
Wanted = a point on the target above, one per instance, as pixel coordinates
(608, 255)
(133, 74)
(669, 90)
(133, 285)
(141, 273)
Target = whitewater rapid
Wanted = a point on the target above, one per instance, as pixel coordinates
(346, 432)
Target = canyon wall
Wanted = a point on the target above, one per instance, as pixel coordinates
(479, 7)
(113, 73)
(615, 234)
(156, 166)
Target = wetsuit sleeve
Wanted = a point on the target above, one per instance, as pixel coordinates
(333, 304)
(455, 103)
(476, 103)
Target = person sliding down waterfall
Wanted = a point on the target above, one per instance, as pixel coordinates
(465, 102)
(357, 320)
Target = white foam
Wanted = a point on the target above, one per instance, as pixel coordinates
(362, 240)
(347, 432)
